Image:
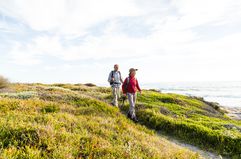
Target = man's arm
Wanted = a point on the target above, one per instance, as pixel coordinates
(121, 79)
(109, 78)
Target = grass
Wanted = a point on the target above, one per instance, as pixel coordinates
(74, 121)
(189, 119)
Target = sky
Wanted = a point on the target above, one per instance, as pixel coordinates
(79, 41)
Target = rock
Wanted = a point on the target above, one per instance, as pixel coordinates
(155, 90)
(232, 112)
(215, 105)
(164, 111)
(231, 126)
(90, 85)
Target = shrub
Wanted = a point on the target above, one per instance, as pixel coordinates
(3, 82)
(51, 108)
(73, 124)
(87, 146)
(193, 133)
(18, 137)
(90, 85)
(20, 95)
(103, 90)
(8, 104)
(99, 106)
(52, 88)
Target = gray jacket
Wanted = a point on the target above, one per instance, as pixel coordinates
(117, 78)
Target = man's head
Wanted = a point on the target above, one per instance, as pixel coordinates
(116, 67)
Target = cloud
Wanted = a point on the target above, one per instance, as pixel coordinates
(173, 36)
(93, 48)
(195, 13)
(109, 45)
(64, 16)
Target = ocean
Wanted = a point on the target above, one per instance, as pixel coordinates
(227, 94)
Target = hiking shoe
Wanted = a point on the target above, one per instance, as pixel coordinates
(135, 120)
(128, 115)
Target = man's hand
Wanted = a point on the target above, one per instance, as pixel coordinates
(113, 79)
(122, 81)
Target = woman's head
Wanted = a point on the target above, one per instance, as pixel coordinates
(132, 72)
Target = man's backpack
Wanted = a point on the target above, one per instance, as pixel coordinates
(112, 76)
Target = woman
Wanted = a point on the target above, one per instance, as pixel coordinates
(129, 88)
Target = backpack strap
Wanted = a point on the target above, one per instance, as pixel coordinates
(112, 74)
(119, 73)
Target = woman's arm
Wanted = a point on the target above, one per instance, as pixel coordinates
(137, 86)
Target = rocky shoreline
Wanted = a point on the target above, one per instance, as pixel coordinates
(232, 112)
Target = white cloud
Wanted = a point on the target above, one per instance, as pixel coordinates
(172, 43)
(94, 48)
(194, 13)
(67, 16)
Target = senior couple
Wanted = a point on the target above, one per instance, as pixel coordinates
(129, 88)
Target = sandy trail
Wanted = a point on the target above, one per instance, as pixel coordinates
(203, 153)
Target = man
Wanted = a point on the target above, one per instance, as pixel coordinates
(130, 87)
(115, 81)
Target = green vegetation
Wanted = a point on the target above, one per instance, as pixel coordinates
(191, 120)
(75, 121)
(187, 118)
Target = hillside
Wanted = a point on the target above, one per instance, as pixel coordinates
(76, 121)
(68, 121)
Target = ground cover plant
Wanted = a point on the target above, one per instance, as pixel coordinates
(74, 121)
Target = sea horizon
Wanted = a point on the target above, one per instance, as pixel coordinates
(226, 93)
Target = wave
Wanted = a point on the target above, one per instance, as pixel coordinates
(227, 93)
(179, 89)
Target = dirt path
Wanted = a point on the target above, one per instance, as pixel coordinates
(204, 154)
